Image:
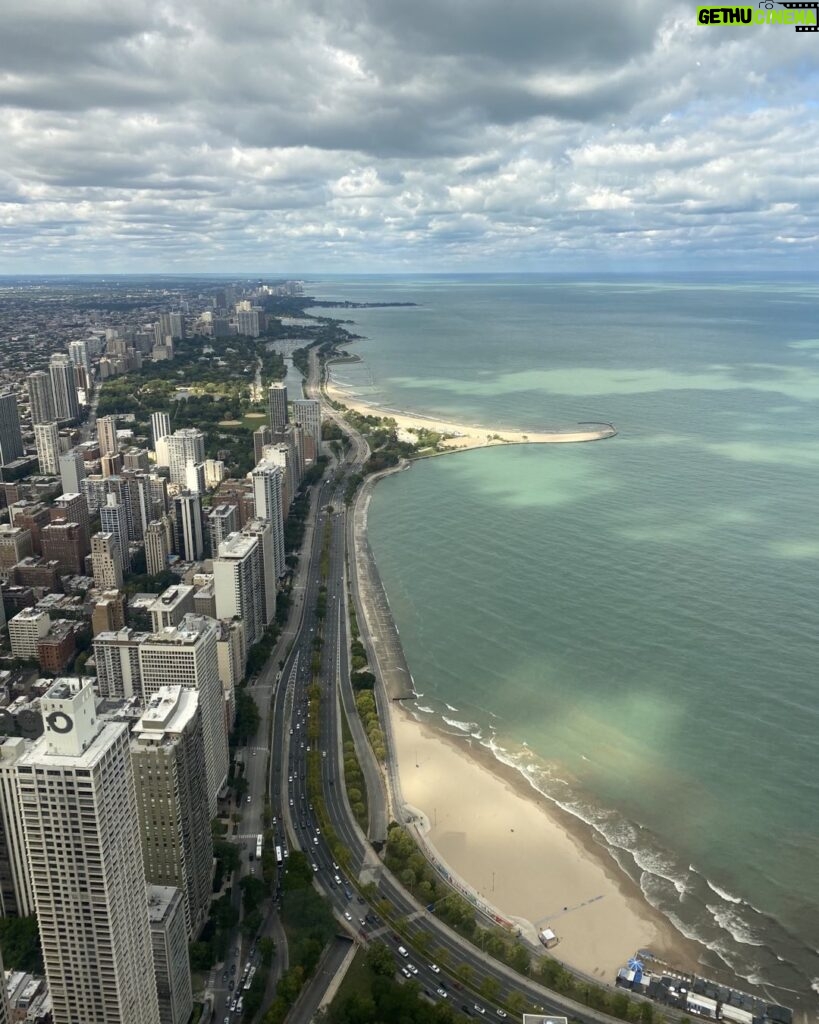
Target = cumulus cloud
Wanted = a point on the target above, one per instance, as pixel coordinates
(369, 135)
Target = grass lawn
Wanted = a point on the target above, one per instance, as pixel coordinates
(357, 980)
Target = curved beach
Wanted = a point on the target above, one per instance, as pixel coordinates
(514, 849)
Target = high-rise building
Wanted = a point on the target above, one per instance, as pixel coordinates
(249, 322)
(113, 519)
(195, 477)
(157, 545)
(283, 454)
(261, 437)
(277, 407)
(214, 472)
(65, 544)
(169, 940)
(26, 630)
(262, 530)
(111, 464)
(16, 896)
(238, 575)
(171, 325)
(268, 492)
(106, 561)
(116, 653)
(160, 426)
(5, 1008)
(41, 397)
(72, 470)
(187, 514)
(78, 354)
(307, 412)
(109, 613)
(168, 754)
(15, 544)
(73, 508)
(107, 435)
(222, 521)
(11, 441)
(184, 446)
(171, 606)
(82, 836)
(47, 442)
(186, 655)
(64, 387)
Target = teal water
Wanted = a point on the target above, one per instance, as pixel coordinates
(632, 623)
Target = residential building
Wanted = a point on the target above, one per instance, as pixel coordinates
(186, 655)
(107, 435)
(73, 508)
(57, 648)
(307, 412)
(158, 545)
(72, 471)
(40, 397)
(168, 754)
(214, 472)
(47, 443)
(26, 629)
(65, 543)
(78, 354)
(248, 322)
(187, 516)
(116, 654)
(171, 607)
(106, 561)
(82, 836)
(11, 441)
(169, 941)
(111, 464)
(5, 1008)
(109, 613)
(64, 387)
(261, 437)
(277, 407)
(237, 579)
(195, 477)
(16, 896)
(160, 426)
(268, 481)
(184, 446)
(15, 544)
(262, 530)
(222, 520)
(113, 520)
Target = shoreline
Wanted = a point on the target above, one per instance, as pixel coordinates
(536, 864)
(466, 436)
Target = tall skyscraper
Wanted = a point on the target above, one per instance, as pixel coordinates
(160, 426)
(268, 492)
(195, 477)
(187, 512)
(237, 581)
(41, 397)
(72, 471)
(307, 411)
(116, 653)
(223, 520)
(157, 545)
(11, 441)
(15, 878)
(262, 530)
(73, 508)
(277, 406)
(82, 836)
(5, 1009)
(47, 442)
(107, 435)
(64, 387)
(184, 446)
(168, 754)
(113, 520)
(106, 561)
(261, 437)
(172, 967)
(186, 655)
(78, 354)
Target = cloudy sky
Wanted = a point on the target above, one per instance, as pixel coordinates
(402, 135)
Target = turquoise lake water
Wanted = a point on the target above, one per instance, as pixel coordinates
(633, 623)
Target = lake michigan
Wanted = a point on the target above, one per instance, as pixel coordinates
(633, 623)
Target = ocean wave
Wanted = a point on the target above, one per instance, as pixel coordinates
(449, 706)
(462, 726)
(429, 711)
(720, 892)
(732, 923)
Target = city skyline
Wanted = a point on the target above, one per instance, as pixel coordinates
(467, 137)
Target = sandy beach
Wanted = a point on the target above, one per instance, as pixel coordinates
(463, 436)
(509, 846)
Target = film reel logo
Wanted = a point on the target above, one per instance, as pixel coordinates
(814, 6)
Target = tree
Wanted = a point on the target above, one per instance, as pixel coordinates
(20, 942)
(379, 959)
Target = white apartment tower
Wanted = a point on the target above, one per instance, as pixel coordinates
(26, 629)
(82, 836)
(16, 896)
(72, 471)
(222, 521)
(186, 655)
(47, 442)
(237, 583)
(160, 426)
(262, 530)
(116, 654)
(40, 397)
(184, 446)
(11, 441)
(168, 755)
(268, 481)
(307, 411)
(277, 406)
(78, 354)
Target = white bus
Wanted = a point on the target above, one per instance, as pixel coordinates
(279, 858)
(259, 847)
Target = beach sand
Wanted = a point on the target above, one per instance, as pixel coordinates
(510, 846)
(466, 435)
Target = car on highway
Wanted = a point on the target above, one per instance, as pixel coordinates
(479, 1009)
(442, 992)
(403, 951)
(315, 866)
(412, 968)
(248, 797)
(500, 1012)
(348, 915)
(435, 968)
(405, 972)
